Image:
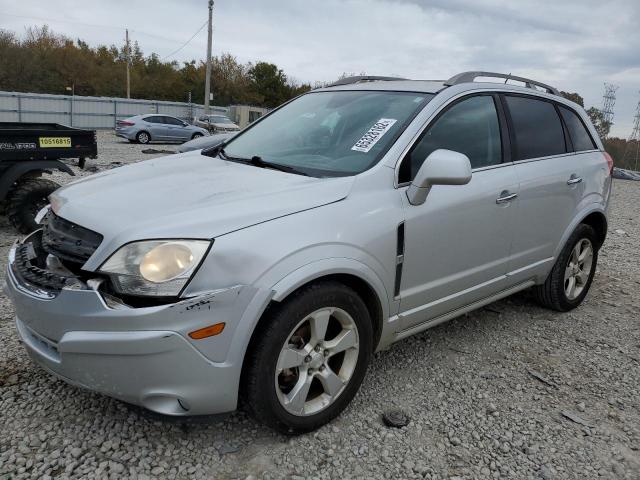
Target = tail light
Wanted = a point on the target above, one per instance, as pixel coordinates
(124, 123)
(609, 162)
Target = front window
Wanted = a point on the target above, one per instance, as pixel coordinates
(470, 126)
(337, 133)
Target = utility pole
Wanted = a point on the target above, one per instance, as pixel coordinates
(128, 54)
(608, 102)
(207, 80)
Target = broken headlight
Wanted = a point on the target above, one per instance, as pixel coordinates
(155, 267)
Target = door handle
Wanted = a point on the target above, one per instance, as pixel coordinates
(506, 197)
(574, 179)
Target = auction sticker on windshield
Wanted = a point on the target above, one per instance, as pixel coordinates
(374, 134)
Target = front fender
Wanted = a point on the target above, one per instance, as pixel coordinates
(262, 297)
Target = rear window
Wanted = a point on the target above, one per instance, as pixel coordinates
(537, 128)
(577, 131)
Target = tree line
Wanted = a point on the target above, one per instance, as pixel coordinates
(45, 62)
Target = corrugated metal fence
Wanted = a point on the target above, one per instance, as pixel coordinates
(86, 112)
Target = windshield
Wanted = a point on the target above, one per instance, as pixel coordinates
(324, 134)
(220, 120)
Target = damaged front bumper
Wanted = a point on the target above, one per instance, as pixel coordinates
(143, 355)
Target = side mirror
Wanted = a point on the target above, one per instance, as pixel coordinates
(442, 167)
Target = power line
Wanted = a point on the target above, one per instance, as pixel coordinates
(109, 27)
(185, 43)
(93, 25)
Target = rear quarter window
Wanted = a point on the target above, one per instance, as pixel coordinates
(537, 128)
(577, 131)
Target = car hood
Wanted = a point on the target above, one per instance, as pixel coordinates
(188, 196)
(204, 142)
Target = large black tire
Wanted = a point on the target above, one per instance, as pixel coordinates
(143, 137)
(551, 293)
(259, 385)
(26, 199)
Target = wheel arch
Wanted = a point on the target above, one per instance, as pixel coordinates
(367, 285)
(363, 288)
(594, 216)
(351, 273)
(597, 221)
(17, 171)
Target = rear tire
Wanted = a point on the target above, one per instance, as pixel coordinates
(570, 279)
(289, 354)
(143, 138)
(26, 199)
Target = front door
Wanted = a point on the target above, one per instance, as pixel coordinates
(457, 243)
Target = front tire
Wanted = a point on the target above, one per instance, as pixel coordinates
(196, 135)
(26, 199)
(570, 279)
(309, 358)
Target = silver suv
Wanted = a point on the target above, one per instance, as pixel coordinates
(273, 266)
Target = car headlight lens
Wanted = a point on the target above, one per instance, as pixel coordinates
(155, 267)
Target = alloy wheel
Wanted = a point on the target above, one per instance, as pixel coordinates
(317, 361)
(578, 269)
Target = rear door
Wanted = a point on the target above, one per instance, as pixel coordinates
(157, 128)
(551, 178)
(457, 244)
(176, 130)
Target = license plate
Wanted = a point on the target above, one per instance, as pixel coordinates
(55, 142)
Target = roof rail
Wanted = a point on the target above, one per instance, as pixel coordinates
(466, 77)
(362, 79)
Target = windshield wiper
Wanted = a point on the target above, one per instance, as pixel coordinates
(259, 162)
(256, 161)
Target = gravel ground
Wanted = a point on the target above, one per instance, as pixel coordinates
(510, 391)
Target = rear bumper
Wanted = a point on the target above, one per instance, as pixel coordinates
(128, 133)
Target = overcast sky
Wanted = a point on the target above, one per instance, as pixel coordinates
(575, 45)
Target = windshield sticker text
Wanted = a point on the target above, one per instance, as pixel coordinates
(374, 134)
